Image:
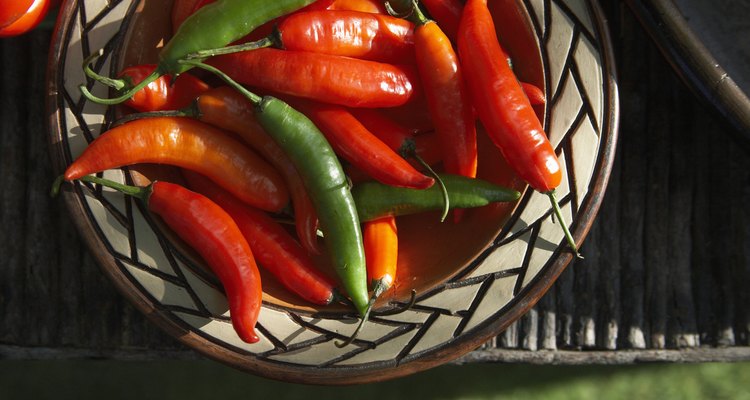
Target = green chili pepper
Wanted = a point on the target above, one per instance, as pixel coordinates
(213, 26)
(375, 200)
(324, 179)
(328, 189)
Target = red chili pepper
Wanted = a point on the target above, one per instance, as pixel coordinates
(227, 109)
(331, 79)
(447, 97)
(535, 95)
(370, 6)
(212, 233)
(163, 93)
(273, 247)
(353, 142)
(400, 139)
(355, 34)
(189, 144)
(447, 14)
(504, 108)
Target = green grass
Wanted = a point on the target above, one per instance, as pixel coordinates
(206, 379)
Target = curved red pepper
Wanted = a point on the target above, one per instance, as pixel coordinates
(162, 94)
(190, 144)
(353, 142)
(215, 236)
(226, 108)
(501, 103)
(380, 238)
(400, 139)
(331, 79)
(273, 247)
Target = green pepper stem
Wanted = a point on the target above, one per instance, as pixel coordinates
(254, 98)
(558, 213)
(439, 180)
(379, 287)
(125, 95)
(55, 190)
(140, 193)
(273, 40)
(117, 84)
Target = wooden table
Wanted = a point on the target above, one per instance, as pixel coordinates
(665, 275)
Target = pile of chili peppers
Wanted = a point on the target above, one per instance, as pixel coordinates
(334, 112)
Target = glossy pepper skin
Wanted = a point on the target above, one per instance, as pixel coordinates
(274, 248)
(190, 144)
(163, 93)
(355, 34)
(370, 6)
(505, 110)
(212, 232)
(328, 188)
(381, 249)
(352, 141)
(226, 108)
(447, 98)
(326, 78)
(375, 200)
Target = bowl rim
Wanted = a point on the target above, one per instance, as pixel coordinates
(694, 62)
(341, 376)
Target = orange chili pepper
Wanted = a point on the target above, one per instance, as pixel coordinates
(380, 238)
(505, 110)
(190, 144)
(370, 6)
(447, 97)
(227, 109)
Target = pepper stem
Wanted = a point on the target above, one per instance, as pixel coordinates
(140, 193)
(254, 98)
(379, 287)
(117, 84)
(273, 40)
(558, 213)
(439, 180)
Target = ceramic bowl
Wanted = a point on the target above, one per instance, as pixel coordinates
(472, 278)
